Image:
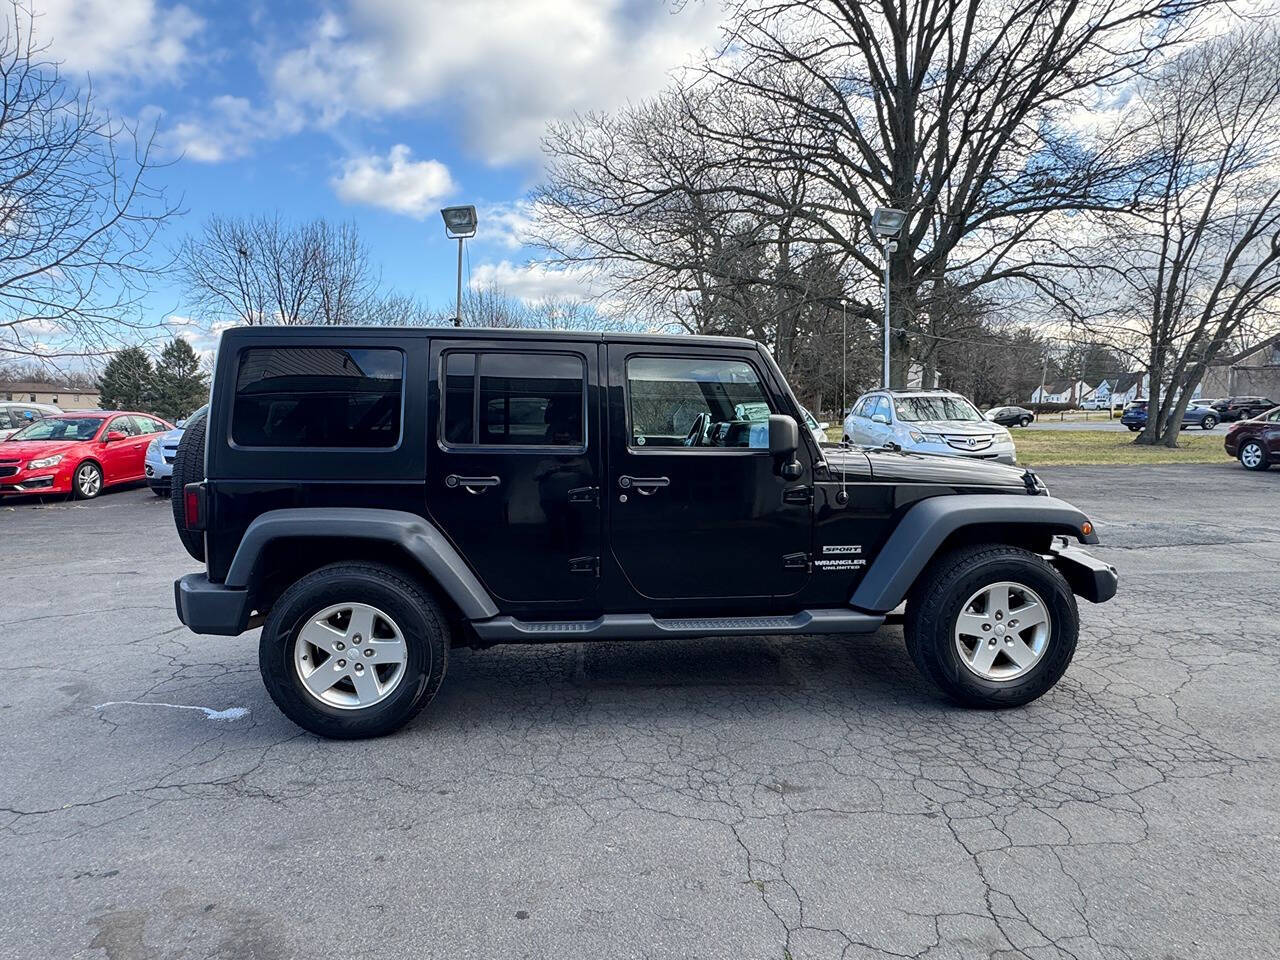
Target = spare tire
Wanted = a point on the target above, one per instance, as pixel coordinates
(188, 467)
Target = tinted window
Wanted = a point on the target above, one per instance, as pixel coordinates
(511, 399)
(696, 403)
(318, 397)
(125, 425)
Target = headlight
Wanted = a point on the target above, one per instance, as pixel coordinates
(44, 462)
(153, 446)
(919, 437)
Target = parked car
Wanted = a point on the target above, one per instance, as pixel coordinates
(1197, 414)
(355, 491)
(1010, 416)
(160, 453)
(14, 415)
(818, 429)
(1255, 442)
(1242, 408)
(77, 453)
(1095, 403)
(927, 421)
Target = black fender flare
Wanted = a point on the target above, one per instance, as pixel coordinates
(416, 535)
(928, 523)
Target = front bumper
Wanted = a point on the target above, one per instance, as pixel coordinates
(56, 479)
(996, 453)
(213, 608)
(1089, 577)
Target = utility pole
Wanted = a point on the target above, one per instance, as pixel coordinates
(1044, 374)
(457, 303)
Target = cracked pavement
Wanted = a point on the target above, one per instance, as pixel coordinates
(735, 798)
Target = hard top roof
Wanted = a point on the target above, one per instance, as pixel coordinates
(322, 333)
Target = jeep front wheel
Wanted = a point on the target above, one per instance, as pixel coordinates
(992, 625)
(353, 650)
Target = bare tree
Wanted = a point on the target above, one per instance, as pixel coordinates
(264, 270)
(962, 113)
(1198, 264)
(77, 214)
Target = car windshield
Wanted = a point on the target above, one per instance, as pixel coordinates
(913, 409)
(60, 428)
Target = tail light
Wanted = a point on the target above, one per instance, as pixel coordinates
(193, 506)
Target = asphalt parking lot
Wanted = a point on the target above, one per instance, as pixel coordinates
(704, 799)
(1050, 422)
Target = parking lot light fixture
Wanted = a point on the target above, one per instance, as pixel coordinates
(459, 223)
(887, 224)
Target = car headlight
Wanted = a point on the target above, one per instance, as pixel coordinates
(919, 437)
(44, 462)
(153, 446)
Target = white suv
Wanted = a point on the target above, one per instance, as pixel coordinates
(14, 415)
(927, 421)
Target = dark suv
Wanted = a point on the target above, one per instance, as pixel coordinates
(1242, 408)
(373, 497)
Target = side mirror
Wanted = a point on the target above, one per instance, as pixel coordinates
(784, 441)
(784, 435)
(114, 436)
(879, 418)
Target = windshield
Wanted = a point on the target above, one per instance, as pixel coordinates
(60, 428)
(913, 409)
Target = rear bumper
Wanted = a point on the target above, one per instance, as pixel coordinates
(206, 607)
(1089, 577)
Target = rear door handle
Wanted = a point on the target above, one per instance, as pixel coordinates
(645, 486)
(470, 484)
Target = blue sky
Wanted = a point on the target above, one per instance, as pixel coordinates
(380, 111)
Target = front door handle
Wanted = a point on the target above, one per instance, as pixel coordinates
(470, 484)
(645, 486)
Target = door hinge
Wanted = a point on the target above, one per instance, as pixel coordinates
(797, 561)
(585, 495)
(797, 495)
(584, 565)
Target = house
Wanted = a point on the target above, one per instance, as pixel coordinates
(1124, 388)
(1069, 392)
(61, 396)
(1253, 372)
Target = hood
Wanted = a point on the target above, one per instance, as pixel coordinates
(170, 437)
(964, 428)
(924, 468)
(28, 449)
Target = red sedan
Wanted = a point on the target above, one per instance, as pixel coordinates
(78, 453)
(1255, 442)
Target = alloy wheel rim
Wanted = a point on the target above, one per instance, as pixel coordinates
(90, 481)
(1002, 631)
(1251, 455)
(350, 656)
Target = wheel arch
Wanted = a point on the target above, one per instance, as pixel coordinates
(939, 524)
(280, 546)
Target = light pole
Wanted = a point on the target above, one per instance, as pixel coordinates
(886, 224)
(459, 223)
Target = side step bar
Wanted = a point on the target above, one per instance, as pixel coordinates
(642, 626)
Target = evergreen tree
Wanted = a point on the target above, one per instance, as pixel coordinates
(178, 385)
(126, 380)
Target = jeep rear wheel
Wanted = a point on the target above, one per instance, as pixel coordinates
(188, 467)
(992, 625)
(353, 650)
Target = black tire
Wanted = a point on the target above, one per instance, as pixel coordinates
(1024, 421)
(83, 486)
(421, 622)
(1133, 429)
(1261, 463)
(188, 467)
(1208, 423)
(937, 599)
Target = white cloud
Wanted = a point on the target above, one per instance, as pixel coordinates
(134, 39)
(533, 282)
(395, 182)
(228, 129)
(500, 70)
(507, 224)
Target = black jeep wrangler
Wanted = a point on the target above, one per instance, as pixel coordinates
(374, 496)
